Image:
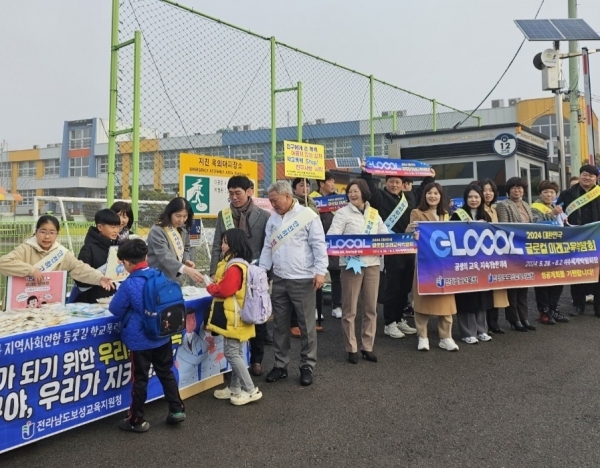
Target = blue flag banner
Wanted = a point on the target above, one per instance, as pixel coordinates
(330, 203)
(370, 244)
(455, 257)
(58, 378)
(396, 167)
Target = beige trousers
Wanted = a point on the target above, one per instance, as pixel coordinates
(444, 325)
(365, 285)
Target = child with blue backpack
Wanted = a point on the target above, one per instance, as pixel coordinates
(229, 294)
(145, 348)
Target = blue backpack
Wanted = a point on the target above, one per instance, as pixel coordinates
(164, 308)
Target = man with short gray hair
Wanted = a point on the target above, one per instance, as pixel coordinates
(296, 251)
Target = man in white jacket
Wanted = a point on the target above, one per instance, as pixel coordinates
(295, 249)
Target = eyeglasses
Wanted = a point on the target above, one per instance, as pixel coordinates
(44, 233)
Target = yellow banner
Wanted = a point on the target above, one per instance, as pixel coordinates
(203, 181)
(304, 160)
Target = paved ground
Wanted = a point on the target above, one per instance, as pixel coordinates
(522, 400)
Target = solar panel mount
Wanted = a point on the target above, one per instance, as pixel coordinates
(574, 29)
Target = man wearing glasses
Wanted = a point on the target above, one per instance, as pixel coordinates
(581, 203)
(245, 215)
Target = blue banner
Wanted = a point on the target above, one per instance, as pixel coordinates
(55, 379)
(396, 167)
(373, 244)
(456, 257)
(330, 203)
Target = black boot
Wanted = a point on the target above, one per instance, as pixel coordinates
(518, 326)
(558, 317)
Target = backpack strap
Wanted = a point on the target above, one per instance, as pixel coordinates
(237, 305)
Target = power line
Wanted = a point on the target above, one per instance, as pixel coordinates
(501, 76)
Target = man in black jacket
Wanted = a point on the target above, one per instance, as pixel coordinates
(586, 214)
(399, 269)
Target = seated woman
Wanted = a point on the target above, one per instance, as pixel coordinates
(358, 217)
(42, 253)
(169, 242)
(432, 208)
(472, 306)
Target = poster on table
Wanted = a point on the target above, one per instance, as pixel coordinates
(115, 270)
(384, 166)
(204, 181)
(26, 293)
(55, 379)
(455, 257)
(304, 160)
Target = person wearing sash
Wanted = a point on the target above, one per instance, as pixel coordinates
(295, 249)
(432, 208)
(394, 208)
(358, 217)
(327, 188)
(490, 195)
(581, 204)
(243, 214)
(472, 306)
(42, 252)
(544, 210)
(169, 242)
(516, 210)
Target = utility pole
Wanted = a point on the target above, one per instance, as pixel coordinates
(575, 142)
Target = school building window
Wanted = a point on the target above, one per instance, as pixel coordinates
(5, 170)
(79, 167)
(27, 196)
(101, 164)
(80, 138)
(52, 167)
(27, 168)
(147, 161)
(171, 160)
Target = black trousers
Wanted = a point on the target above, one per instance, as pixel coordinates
(336, 288)
(257, 344)
(399, 272)
(547, 297)
(517, 308)
(579, 291)
(161, 359)
(492, 318)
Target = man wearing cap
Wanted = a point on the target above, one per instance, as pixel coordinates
(394, 208)
(584, 211)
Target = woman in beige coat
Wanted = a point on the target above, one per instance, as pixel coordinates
(42, 252)
(432, 208)
(358, 217)
(490, 196)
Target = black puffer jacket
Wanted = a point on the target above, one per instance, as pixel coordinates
(95, 253)
(587, 214)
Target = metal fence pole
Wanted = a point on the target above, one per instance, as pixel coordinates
(112, 111)
(273, 113)
(434, 116)
(299, 94)
(137, 66)
(371, 115)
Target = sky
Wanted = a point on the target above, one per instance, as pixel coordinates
(55, 54)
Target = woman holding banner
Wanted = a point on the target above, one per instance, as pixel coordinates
(472, 306)
(42, 253)
(432, 208)
(490, 196)
(360, 278)
(169, 242)
(516, 210)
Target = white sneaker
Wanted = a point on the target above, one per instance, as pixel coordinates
(423, 344)
(244, 398)
(405, 328)
(336, 313)
(223, 394)
(484, 337)
(470, 340)
(448, 344)
(393, 331)
(589, 298)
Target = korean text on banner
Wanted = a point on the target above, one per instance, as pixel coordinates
(370, 244)
(305, 160)
(203, 181)
(396, 167)
(330, 203)
(455, 257)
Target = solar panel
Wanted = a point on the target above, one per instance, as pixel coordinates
(575, 30)
(347, 162)
(539, 30)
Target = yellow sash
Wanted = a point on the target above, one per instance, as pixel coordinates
(583, 200)
(462, 214)
(176, 241)
(370, 220)
(52, 262)
(227, 219)
(544, 209)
